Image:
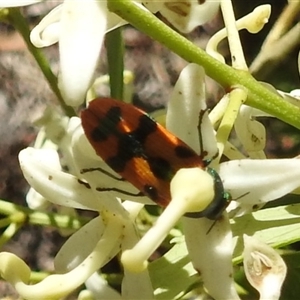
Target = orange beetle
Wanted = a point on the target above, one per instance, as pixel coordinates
(142, 151)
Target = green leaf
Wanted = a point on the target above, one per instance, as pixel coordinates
(278, 227)
(172, 274)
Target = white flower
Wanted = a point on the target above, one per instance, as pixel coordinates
(185, 15)
(80, 26)
(102, 237)
(264, 268)
(198, 193)
(56, 286)
(14, 3)
(100, 289)
(257, 181)
(253, 181)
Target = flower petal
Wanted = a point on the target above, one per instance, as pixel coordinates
(83, 25)
(46, 33)
(100, 288)
(186, 103)
(134, 285)
(71, 254)
(264, 268)
(210, 249)
(259, 181)
(56, 186)
(36, 200)
(59, 285)
(192, 191)
(250, 132)
(185, 15)
(15, 3)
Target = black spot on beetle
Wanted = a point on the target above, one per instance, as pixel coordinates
(98, 134)
(129, 147)
(184, 152)
(107, 125)
(145, 128)
(160, 167)
(117, 163)
(131, 144)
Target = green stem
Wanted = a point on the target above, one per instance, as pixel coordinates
(40, 218)
(115, 54)
(19, 22)
(9, 232)
(258, 96)
(36, 277)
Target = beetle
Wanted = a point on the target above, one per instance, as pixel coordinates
(143, 152)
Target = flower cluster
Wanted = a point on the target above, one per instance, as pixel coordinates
(251, 181)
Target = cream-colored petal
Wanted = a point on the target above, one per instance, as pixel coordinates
(250, 132)
(47, 32)
(186, 15)
(264, 268)
(100, 288)
(192, 190)
(56, 286)
(56, 186)
(16, 3)
(210, 249)
(186, 103)
(134, 285)
(36, 200)
(83, 26)
(71, 254)
(257, 181)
